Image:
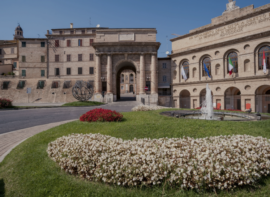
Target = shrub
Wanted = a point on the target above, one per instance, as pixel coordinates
(221, 162)
(5, 103)
(101, 115)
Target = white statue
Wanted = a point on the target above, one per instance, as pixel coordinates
(231, 6)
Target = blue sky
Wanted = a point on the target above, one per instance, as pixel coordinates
(167, 16)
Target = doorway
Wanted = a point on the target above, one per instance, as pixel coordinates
(131, 88)
(238, 104)
(268, 108)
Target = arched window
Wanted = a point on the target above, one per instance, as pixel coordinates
(131, 78)
(234, 59)
(186, 68)
(207, 62)
(164, 78)
(266, 50)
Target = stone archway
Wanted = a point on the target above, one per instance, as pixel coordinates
(185, 99)
(262, 101)
(232, 98)
(124, 65)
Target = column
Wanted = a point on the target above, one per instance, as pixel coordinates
(98, 75)
(142, 74)
(154, 83)
(109, 73)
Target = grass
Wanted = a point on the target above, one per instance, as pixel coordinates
(82, 103)
(28, 171)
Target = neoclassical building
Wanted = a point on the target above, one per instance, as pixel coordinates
(239, 34)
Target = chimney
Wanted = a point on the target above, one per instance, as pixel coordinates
(48, 32)
(71, 25)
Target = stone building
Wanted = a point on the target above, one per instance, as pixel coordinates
(240, 35)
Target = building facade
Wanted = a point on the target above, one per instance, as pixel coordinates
(240, 35)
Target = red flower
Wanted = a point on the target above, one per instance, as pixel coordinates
(101, 115)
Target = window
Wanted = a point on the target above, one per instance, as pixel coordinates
(23, 73)
(55, 84)
(83, 31)
(20, 84)
(91, 70)
(80, 42)
(186, 68)
(164, 78)
(60, 32)
(68, 43)
(122, 78)
(91, 57)
(42, 58)
(23, 59)
(23, 44)
(56, 57)
(79, 57)
(71, 32)
(5, 85)
(122, 87)
(164, 65)
(42, 73)
(57, 71)
(42, 44)
(93, 31)
(148, 84)
(266, 50)
(91, 42)
(12, 50)
(68, 58)
(234, 58)
(0, 51)
(79, 70)
(131, 78)
(67, 84)
(207, 62)
(57, 43)
(40, 84)
(14, 64)
(104, 86)
(68, 71)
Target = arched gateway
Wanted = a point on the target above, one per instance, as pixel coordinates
(127, 53)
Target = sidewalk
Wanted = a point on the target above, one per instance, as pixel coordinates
(37, 104)
(10, 140)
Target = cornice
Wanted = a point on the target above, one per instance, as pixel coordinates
(222, 24)
(221, 44)
(98, 44)
(224, 80)
(68, 35)
(122, 53)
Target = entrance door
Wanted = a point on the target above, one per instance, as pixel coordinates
(239, 104)
(131, 88)
(268, 108)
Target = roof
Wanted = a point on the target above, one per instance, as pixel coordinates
(32, 38)
(18, 28)
(97, 28)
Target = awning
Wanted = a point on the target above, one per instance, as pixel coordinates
(163, 86)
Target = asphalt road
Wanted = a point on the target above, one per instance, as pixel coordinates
(11, 120)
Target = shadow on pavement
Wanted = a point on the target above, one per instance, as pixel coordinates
(2, 188)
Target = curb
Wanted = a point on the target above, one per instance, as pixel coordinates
(55, 124)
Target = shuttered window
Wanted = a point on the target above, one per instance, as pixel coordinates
(42, 58)
(79, 57)
(42, 73)
(80, 42)
(40, 84)
(68, 43)
(42, 44)
(21, 85)
(68, 71)
(79, 70)
(68, 58)
(5, 85)
(91, 70)
(23, 73)
(57, 43)
(91, 57)
(23, 58)
(83, 31)
(55, 84)
(23, 44)
(91, 42)
(56, 58)
(57, 71)
(14, 64)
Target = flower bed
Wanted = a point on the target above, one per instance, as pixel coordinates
(221, 162)
(101, 115)
(4, 103)
(147, 108)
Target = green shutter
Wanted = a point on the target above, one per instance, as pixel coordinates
(42, 58)
(42, 44)
(42, 73)
(24, 73)
(14, 64)
(23, 59)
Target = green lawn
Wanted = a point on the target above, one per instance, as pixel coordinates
(28, 171)
(81, 103)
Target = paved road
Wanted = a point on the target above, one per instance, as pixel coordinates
(11, 120)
